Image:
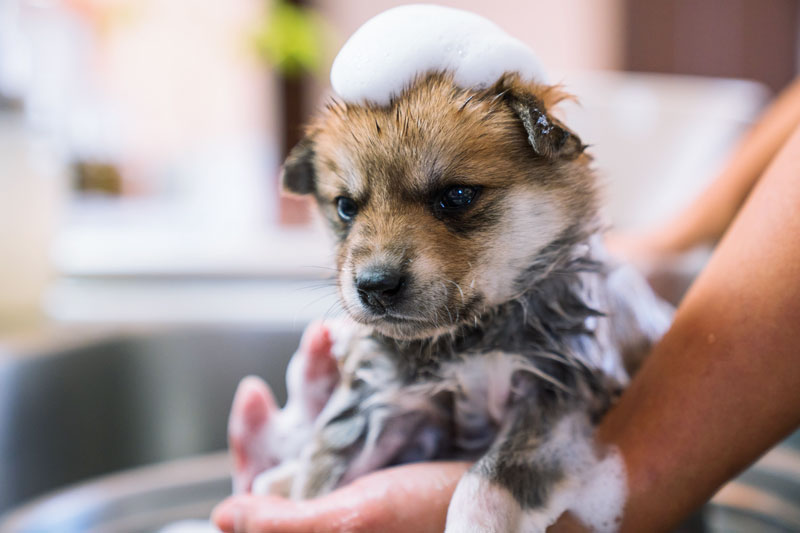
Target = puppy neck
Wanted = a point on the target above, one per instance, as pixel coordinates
(552, 305)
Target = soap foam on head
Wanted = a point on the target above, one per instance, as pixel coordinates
(386, 54)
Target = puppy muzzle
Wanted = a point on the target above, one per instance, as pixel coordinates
(380, 288)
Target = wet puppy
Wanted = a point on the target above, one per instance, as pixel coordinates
(488, 322)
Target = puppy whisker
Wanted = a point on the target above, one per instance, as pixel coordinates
(468, 100)
(459, 290)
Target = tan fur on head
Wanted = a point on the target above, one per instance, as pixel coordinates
(530, 173)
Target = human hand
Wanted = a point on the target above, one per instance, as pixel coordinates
(643, 248)
(395, 500)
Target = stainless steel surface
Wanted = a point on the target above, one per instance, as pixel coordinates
(141, 500)
(75, 414)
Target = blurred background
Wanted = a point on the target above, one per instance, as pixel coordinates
(147, 261)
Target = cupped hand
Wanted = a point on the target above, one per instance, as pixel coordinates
(395, 500)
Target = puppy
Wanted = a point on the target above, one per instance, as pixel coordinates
(488, 322)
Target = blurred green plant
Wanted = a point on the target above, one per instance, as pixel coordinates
(292, 39)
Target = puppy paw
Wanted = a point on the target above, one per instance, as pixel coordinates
(313, 372)
(480, 506)
(259, 435)
(252, 412)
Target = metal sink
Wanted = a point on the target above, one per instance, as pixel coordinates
(162, 399)
(132, 400)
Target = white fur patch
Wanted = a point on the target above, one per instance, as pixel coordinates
(348, 290)
(594, 489)
(485, 382)
(482, 507)
(532, 220)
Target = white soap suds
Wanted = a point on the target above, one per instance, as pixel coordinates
(601, 498)
(594, 488)
(390, 50)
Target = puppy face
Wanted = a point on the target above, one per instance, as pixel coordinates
(442, 200)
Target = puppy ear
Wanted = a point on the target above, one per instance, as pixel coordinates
(298, 175)
(547, 136)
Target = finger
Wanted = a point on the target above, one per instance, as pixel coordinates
(396, 500)
(240, 513)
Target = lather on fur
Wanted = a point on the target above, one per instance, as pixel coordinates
(501, 318)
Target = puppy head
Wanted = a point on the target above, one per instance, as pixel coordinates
(442, 200)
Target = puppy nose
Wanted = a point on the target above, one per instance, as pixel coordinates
(379, 288)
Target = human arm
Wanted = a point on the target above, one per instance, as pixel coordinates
(707, 217)
(724, 383)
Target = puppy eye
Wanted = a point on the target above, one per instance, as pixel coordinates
(346, 207)
(457, 197)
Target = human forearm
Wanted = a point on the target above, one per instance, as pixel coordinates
(724, 383)
(708, 216)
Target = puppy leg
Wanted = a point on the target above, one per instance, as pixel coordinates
(371, 420)
(259, 435)
(313, 372)
(252, 411)
(520, 484)
(370, 439)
